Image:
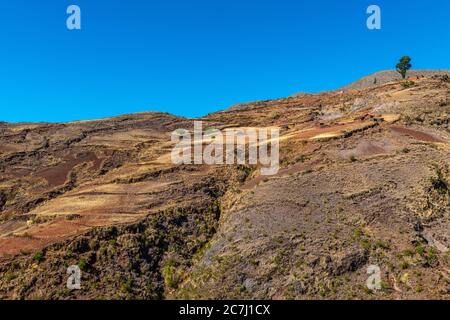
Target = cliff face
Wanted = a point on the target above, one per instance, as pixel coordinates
(364, 181)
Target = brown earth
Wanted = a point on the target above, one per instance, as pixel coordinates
(364, 180)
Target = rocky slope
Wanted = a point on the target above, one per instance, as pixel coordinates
(386, 76)
(364, 180)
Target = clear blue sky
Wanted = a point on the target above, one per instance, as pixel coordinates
(192, 57)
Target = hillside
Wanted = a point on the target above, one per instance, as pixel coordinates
(383, 77)
(364, 180)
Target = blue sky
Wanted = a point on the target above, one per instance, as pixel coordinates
(193, 57)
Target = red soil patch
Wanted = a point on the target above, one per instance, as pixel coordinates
(17, 172)
(57, 175)
(364, 148)
(60, 229)
(418, 135)
(6, 149)
(44, 235)
(97, 163)
(14, 245)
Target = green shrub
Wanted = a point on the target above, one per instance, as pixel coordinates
(171, 276)
(431, 258)
(439, 183)
(420, 250)
(127, 286)
(38, 257)
(382, 245)
(408, 84)
(83, 264)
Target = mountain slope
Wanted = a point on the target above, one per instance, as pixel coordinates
(383, 77)
(364, 181)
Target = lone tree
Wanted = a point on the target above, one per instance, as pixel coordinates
(404, 65)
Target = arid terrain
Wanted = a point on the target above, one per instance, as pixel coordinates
(364, 180)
